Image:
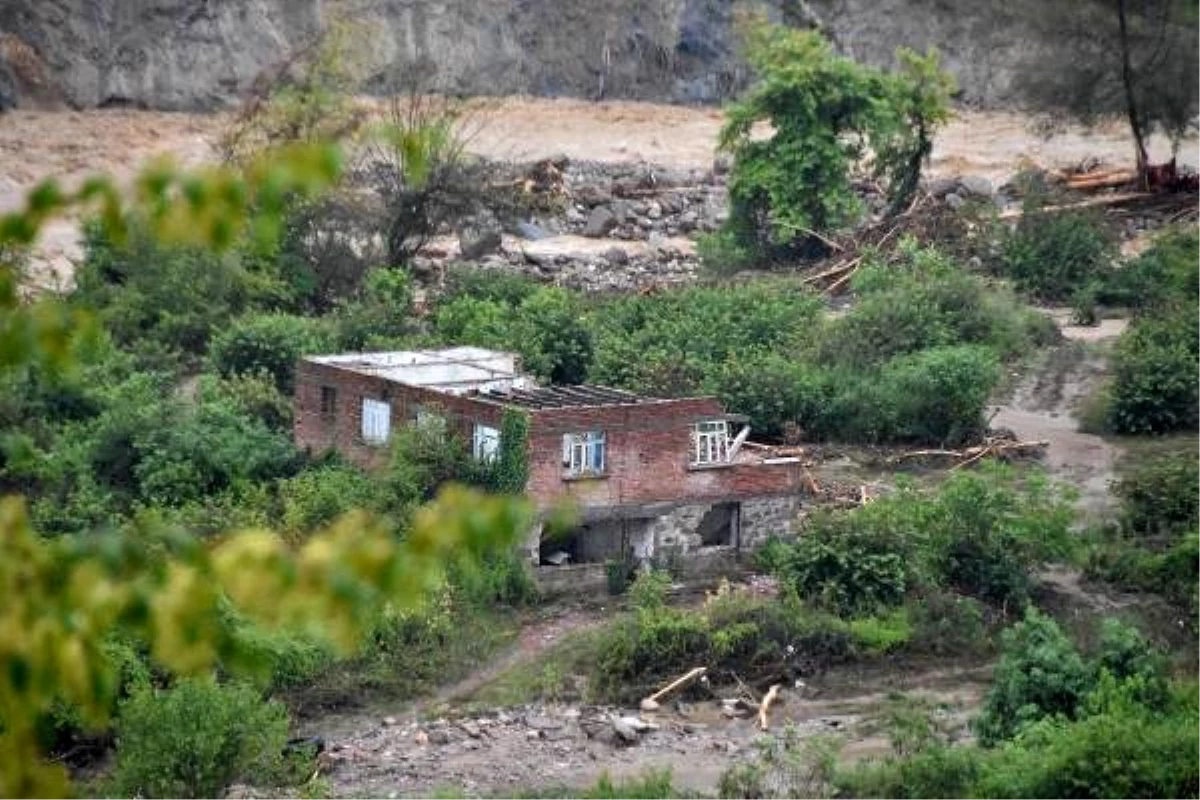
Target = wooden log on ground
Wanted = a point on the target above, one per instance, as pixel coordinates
(764, 708)
(651, 703)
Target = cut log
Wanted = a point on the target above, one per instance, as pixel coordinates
(1108, 200)
(764, 708)
(656, 698)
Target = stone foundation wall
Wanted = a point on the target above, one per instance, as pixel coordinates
(769, 516)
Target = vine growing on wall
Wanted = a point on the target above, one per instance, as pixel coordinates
(512, 464)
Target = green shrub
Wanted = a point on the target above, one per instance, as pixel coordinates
(1159, 497)
(1051, 255)
(1040, 675)
(850, 567)
(195, 739)
(164, 302)
(649, 786)
(1125, 751)
(270, 343)
(921, 298)
(884, 633)
(945, 624)
(981, 534)
(1155, 372)
(732, 634)
(380, 315)
(318, 496)
(936, 771)
(1166, 273)
(776, 392)
(938, 395)
(255, 394)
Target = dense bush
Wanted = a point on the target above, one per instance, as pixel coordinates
(1159, 495)
(1041, 675)
(544, 325)
(1051, 255)
(318, 496)
(1156, 373)
(269, 343)
(922, 299)
(938, 395)
(733, 633)
(981, 534)
(1167, 272)
(195, 739)
(1123, 752)
(163, 303)
(674, 343)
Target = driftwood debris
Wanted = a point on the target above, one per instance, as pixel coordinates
(1002, 448)
(651, 703)
(1106, 200)
(1101, 179)
(764, 708)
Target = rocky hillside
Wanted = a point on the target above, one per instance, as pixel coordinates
(199, 54)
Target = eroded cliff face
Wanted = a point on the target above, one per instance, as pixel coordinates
(197, 54)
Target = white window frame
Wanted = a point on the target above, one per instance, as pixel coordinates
(485, 443)
(376, 421)
(585, 453)
(710, 442)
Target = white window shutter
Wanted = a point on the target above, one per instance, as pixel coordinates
(376, 421)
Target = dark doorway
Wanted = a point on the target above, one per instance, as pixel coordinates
(720, 524)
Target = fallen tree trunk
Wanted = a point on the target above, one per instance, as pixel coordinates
(765, 707)
(651, 703)
(1109, 200)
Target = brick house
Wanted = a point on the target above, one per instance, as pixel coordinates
(649, 477)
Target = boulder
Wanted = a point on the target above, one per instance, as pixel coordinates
(475, 243)
(976, 185)
(531, 231)
(600, 222)
(625, 731)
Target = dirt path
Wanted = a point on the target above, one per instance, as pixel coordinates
(1046, 404)
(534, 639)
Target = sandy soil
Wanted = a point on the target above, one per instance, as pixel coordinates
(72, 145)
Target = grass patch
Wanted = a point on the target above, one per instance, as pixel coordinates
(559, 673)
(382, 672)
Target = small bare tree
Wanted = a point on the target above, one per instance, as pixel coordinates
(417, 161)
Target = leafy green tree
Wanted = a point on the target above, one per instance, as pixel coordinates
(825, 113)
(270, 343)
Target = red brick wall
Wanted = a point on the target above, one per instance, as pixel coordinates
(342, 430)
(647, 444)
(647, 453)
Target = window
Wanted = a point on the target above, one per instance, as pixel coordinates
(376, 421)
(710, 442)
(485, 443)
(328, 401)
(583, 453)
